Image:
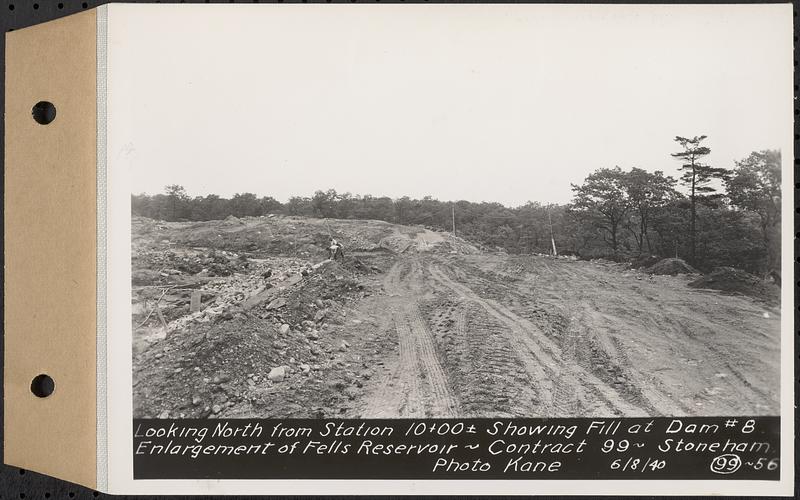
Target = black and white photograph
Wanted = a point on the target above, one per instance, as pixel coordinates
(457, 213)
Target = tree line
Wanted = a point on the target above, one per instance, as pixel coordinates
(721, 216)
(710, 216)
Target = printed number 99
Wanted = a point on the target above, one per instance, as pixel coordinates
(726, 464)
(620, 446)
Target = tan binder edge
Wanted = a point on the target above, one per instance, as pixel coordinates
(50, 249)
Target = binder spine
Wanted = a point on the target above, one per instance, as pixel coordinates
(51, 249)
(102, 203)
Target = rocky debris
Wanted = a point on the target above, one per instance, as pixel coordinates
(271, 307)
(396, 243)
(276, 304)
(731, 280)
(671, 267)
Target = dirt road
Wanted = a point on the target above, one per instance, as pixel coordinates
(548, 337)
(418, 385)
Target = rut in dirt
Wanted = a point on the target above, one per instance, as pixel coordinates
(418, 386)
(562, 384)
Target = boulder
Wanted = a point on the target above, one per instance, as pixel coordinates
(277, 374)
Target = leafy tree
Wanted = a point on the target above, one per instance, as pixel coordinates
(208, 208)
(244, 205)
(345, 205)
(728, 237)
(177, 197)
(299, 205)
(403, 207)
(669, 224)
(647, 192)
(603, 201)
(755, 185)
(269, 205)
(324, 203)
(697, 177)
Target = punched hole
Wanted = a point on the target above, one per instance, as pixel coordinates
(42, 386)
(44, 112)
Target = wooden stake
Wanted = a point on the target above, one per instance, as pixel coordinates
(552, 238)
(194, 305)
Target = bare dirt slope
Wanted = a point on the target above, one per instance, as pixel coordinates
(415, 323)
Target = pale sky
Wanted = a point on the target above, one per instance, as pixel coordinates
(503, 103)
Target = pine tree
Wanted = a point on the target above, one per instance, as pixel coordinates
(697, 176)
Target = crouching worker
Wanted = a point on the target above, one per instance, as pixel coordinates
(335, 250)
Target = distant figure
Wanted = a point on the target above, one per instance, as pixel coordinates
(335, 250)
(267, 274)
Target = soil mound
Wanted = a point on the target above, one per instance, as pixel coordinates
(645, 261)
(728, 279)
(671, 267)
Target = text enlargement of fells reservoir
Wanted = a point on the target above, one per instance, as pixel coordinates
(585, 448)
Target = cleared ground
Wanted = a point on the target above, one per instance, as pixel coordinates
(414, 323)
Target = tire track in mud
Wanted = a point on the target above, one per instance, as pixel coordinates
(682, 332)
(479, 358)
(400, 394)
(442, 403)
(542, 380)
(544, 361)
(653, 399)
(715, 360)
(418, 387)
(686, 339)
